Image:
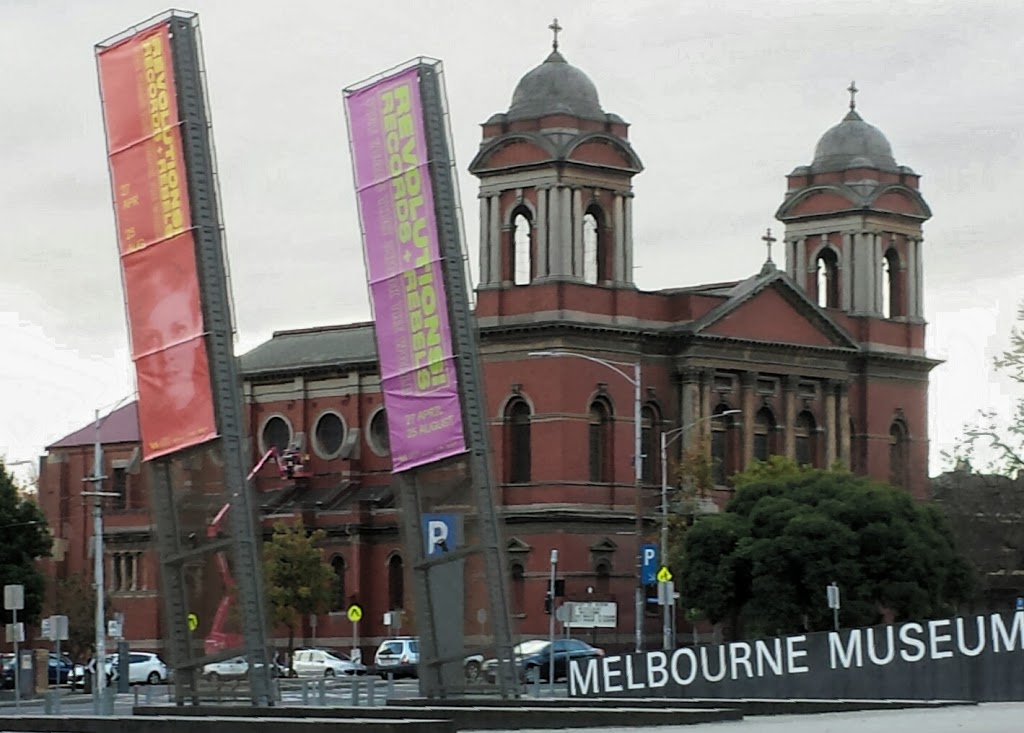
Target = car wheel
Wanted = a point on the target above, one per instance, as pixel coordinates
(154, 678)
(472, 670)
(328, 672)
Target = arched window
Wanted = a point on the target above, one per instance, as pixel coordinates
(518, 577)
(827, 269)
(764, 434)
(723, 452)
(591, 249)
(650, 443)
(522, 248)
(603, 584)
(892, 291)
(517, 442)
(806, 439)
(600, 443)
(898, 454)
(338, 597)
(396, 583)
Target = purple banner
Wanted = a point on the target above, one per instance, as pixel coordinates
(403, 263)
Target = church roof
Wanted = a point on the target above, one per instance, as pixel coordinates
(853, 143)
(555, 87)
(119, 426)
(309, 348)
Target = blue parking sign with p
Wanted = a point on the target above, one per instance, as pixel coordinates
(440, 534)
(649, 564)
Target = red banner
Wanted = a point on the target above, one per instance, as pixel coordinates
(157, 249)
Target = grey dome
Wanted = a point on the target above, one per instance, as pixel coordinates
(554, 87)
(852, 144)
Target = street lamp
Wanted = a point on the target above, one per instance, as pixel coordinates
(637, 463)
(99, 677)
(551, 625)
(667, 438)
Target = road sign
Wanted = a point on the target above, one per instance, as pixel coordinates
(1020, 604)
(649, 564)
(114, 629)
(14, 597)
(664, 575)
(440, 534)
(593, 615)
(354, 613)
(58, 628)
(193, 622)
(666, 593)
(15, 633)
(833, 596)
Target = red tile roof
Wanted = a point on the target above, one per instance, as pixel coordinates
(119, 426)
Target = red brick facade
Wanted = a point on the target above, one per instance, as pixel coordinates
(831, 377)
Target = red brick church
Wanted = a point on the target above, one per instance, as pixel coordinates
(823, 358)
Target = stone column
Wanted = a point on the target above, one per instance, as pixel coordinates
(689, 405)
(707, 383)
(919, 276)
(619, 274)
(748, 404)
(830, 389)
(540, 234)
(554, 197)
(800, 269)
(844, 423)
(485, 250)
(846, 279)
(565, 212)
(578, 266)
(789, 386)
(496, 260)
(627, 227)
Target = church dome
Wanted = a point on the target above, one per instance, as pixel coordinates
(853, 143)
(555, 87)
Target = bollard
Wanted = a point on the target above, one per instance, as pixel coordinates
(391, 685)
(355, 691)
(536, 685)
(149, 694)
(371, 690)
(305, 692)
(321, 691)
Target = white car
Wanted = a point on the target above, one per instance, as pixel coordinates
(143, 667)
(230, 669)
(320, 663)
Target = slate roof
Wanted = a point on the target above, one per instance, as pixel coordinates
(119, 426)
(310, 348)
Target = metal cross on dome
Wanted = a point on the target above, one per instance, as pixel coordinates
(852, 89)
(556, 29)
(769, 240)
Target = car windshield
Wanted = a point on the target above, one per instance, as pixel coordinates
(534, 646)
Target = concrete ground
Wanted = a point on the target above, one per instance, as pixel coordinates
(987, 718)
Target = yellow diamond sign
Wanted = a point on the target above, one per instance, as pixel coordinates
(664, 575)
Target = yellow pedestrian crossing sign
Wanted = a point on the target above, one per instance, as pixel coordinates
(354, 613)
(664, 575)
(193, 622)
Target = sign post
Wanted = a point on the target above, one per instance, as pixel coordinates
(57, 631)
(355, 613)
(832, 593)
(14, 601)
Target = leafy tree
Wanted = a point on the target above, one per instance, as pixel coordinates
(76, 599)
(299, 582)
(26, 539)
(764, 562)
(997, 442)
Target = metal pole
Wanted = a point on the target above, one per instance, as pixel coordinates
(666, 622)
(835, 618)
(551, 627)
(17, 663)
(99, 676)
(59, 667)
(637, 477)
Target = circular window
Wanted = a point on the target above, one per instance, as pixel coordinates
(277, 432)
(328, 435)
(378, 433)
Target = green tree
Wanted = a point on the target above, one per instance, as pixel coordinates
(994, 443)
(76, 599)
(299, 582)
(25, 539)
(764, 562)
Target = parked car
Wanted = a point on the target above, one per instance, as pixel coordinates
(322, 663)
(533, 658)
(6, 671)
(143, 667)
(60, 670)
(235, 668)
(398, 656)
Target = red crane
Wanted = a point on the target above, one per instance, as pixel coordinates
(290, 465)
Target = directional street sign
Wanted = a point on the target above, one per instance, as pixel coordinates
(193, 622)
(664, 575)
(440, 533)
(354, 613)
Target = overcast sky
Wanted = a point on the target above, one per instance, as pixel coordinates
(724, 99)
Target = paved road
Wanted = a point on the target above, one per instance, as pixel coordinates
(988, 718)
